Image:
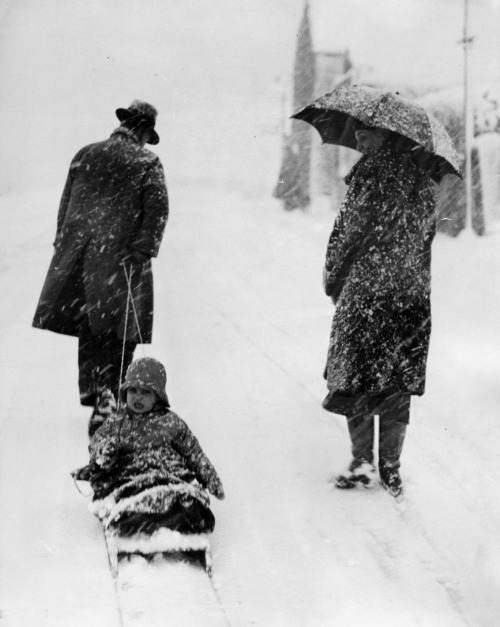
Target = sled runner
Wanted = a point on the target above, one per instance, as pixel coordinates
(172, 518)
(162, 540)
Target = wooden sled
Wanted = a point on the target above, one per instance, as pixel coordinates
(161, 541)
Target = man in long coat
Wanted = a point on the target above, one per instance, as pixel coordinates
(377, 271)
(99, 286)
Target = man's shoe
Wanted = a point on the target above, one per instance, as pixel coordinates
(104, 407)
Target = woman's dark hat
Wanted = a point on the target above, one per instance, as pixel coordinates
(141, 112)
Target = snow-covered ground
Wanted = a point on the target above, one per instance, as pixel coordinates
(242, 325)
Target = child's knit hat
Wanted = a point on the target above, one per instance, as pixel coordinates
(146, 373)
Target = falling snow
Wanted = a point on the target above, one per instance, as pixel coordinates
(242, 325)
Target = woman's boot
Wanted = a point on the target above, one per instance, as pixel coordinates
(361, 471)
(392, 436)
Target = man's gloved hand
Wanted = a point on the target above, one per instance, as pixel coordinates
(215, 487)
(135, 256)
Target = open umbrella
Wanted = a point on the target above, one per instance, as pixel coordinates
(336, 117)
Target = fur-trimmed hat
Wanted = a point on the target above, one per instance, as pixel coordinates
(146, 373)
(141, 112)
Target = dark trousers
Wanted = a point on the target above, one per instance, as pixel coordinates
(389, 408)
(100, 361)
(394, 415)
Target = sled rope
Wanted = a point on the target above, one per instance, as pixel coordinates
(127, 308)
(130, 301)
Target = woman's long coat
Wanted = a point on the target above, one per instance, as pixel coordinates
(115, 199)
(377, 270)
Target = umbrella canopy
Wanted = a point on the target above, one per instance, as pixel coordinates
(336, 117)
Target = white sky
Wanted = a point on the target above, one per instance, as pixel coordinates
(66, 66)
(414, 41)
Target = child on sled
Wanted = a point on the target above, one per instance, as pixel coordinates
(147, 469)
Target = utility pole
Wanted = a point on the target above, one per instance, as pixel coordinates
(466, 41)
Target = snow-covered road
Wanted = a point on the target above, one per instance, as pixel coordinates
(242, 326)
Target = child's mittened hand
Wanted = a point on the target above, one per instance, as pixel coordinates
(215, 488)
(109, 449)
(106, 454)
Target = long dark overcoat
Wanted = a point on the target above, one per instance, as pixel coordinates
(377, 269)
(115, 198)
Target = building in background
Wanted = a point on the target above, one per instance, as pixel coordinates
(312, 171)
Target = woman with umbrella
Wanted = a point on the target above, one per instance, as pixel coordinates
(377, 271)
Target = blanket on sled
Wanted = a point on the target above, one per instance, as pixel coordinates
(154, 500)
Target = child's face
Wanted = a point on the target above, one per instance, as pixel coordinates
(140, 400)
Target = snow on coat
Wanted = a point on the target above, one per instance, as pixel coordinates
(115, 199)
(377, 269)
(144, 450)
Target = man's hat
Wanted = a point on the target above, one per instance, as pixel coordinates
(141, 112)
